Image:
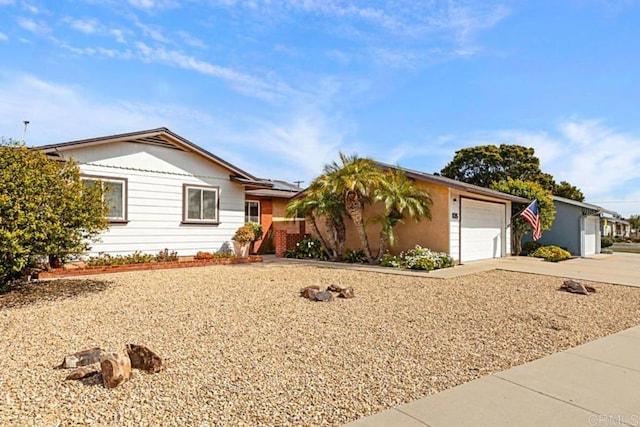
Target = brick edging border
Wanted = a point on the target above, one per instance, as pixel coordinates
(105, 269)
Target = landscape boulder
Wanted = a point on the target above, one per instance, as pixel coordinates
(144, 359)
(116, 369)
(82, 372)
(576, 287)
(82, 358)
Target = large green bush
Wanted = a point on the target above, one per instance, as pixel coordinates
(551, 253)
(45, 210)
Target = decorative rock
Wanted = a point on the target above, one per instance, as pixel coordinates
(347, 293)
(143, 358)
(576, 288)
(310, 292)
(82, 358)
(342, 292)
(324, 296)
(82, 372)
(116, 369)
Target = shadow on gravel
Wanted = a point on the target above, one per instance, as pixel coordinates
(20, 294)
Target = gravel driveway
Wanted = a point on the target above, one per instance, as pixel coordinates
(244, 349)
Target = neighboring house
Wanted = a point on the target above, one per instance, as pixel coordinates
(468, 222)
(266, 206)
(163, 192)
(576, 227)
(614, 226)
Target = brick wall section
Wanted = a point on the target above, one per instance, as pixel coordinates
(285, 241)
(83, 271)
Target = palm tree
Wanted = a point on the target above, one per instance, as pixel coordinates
(401, 199)
(317, 203)
(634, 222)
(353, 182)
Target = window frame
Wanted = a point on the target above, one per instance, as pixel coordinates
(185, 204)
(125, 194)
(247, 217)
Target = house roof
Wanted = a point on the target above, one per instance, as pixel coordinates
(162, 137)
(588, 206)
(279, 190)
(458, 185)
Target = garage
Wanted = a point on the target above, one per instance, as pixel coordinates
(591, 226)
(481, 230)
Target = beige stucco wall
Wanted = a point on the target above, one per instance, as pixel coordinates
(432, 234)
(281, 222)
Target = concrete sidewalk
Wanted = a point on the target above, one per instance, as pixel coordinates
(595, 384)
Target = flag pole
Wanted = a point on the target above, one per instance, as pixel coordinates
(525, 208)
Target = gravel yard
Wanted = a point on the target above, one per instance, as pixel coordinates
(244, 349)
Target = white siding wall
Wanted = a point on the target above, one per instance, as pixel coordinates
(154, 203)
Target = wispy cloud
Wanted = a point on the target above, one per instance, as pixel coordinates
(154, 4)
(244, 83)
(3, 36)
(190, 40)
(34, 27)
(92, 26)
(153, 32)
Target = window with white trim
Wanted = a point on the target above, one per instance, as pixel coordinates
(252, 211)
(114, 193)
(200, 204)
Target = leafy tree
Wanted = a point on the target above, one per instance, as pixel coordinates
(485, 164)
(528, 190)
(401, 199)
(45, 210)
(634, 222)
(568, 191)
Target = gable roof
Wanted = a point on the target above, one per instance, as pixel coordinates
(458, 185)
(162, 137)
(585, 206)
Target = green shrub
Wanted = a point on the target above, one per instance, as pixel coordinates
(418, 258)
(256, 228)
(306, 248)
(605, 242)
(355, 256)
(166, 256)
(105, 259)
(551, 253)
(529, 247)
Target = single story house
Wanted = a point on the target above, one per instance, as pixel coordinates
(163, 192)
(576, 227)
(266, 206)
(615, 226)
(467, 222)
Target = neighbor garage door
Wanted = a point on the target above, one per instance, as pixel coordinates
(480, 230)
(591, 225)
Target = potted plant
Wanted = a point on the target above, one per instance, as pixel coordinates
(242, 239)
(257, 234)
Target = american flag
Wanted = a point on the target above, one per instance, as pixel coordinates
(532, 215)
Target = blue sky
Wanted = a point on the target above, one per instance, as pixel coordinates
(279, 87)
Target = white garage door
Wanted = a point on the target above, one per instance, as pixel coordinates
(591, 225)
(481, 230)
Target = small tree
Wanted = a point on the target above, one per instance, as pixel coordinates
(528, 190)
(401, 199)
(634, 222)
(45, 210)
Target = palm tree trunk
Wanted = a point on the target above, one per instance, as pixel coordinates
(354, 208)
(316, 231)
(384, 244)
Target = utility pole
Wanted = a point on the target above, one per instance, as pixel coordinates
(24, 131)
(298, 183)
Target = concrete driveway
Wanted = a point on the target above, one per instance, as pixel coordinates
(620, 268)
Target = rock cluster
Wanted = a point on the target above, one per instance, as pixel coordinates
(115, 368)
(314, 293)
(576, 287)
